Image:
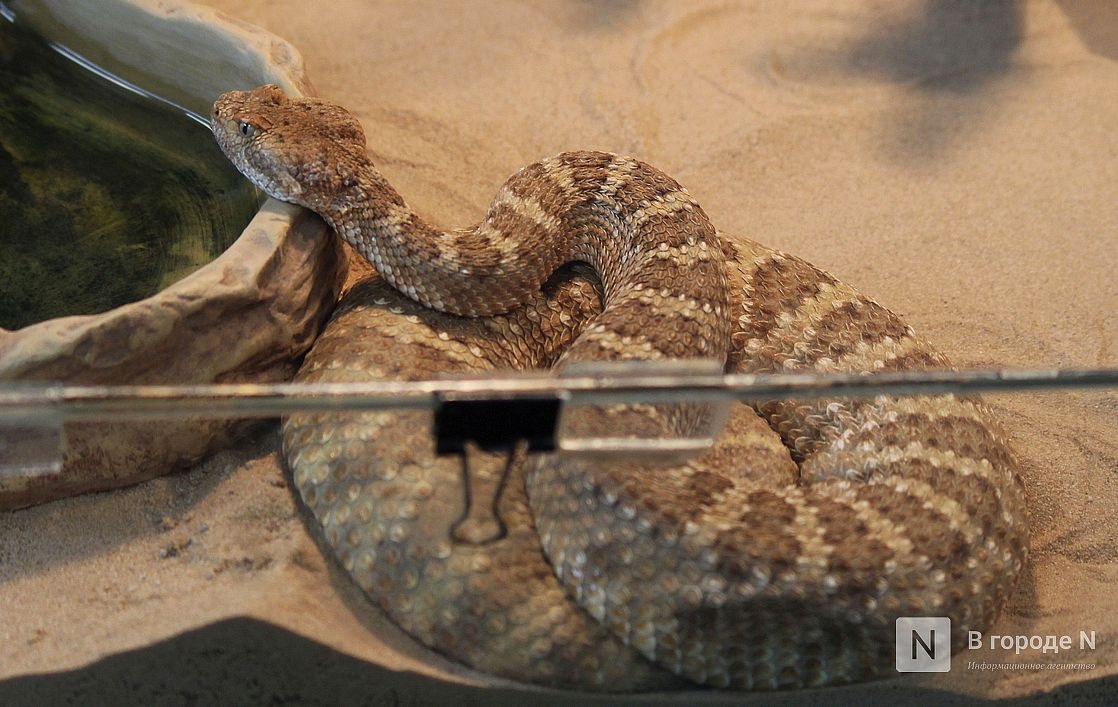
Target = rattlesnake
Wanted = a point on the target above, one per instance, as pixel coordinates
(781, 558)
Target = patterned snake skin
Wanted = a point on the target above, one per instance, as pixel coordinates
(781, 558)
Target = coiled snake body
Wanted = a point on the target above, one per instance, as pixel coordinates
(781, 558)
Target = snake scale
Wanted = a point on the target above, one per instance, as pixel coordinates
(780, 558)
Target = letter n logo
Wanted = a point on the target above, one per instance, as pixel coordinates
(923, 644)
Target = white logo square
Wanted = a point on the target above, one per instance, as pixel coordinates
(923, 644)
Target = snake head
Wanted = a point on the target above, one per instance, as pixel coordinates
(301, 150)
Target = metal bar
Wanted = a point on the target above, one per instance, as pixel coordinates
(21, 401)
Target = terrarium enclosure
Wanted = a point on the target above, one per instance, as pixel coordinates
(954, 161)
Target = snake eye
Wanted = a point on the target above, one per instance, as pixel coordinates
(247, 128)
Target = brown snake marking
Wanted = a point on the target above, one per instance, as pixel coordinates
(781, 558)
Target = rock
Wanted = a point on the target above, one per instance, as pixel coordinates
(248, 316)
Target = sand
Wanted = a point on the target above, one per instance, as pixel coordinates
(956, 161)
